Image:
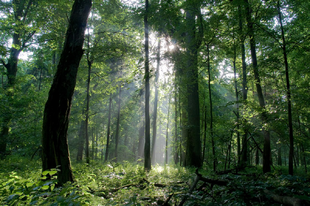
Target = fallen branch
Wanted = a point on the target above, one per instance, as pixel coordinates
(191, 189)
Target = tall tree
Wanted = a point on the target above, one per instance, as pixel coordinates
(167, 131)
(211, 110)
(193, 42)
(288, 92)
(155, 102)
(108, 130)
(244, 88)
(147, 147)
(89, 64)
(55, 151)
(117, 123)
(262, 103)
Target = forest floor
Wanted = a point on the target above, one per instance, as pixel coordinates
(127, 184)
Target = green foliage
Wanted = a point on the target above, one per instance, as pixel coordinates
(22, 183)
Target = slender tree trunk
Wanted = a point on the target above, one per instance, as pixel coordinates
(304, 158)
(147, 152)
(40, 78)
(280, 155)
(87, 110)
(237, 112)
(117, 124)
(211, 111)
(141, 141)
(95, 133)
(155, 102)
(176, 139)
(167, 131)
(205, 131)
(267, 149)
(244, 92)
(57, 108)
(108, 131)
(81, 141)
(288, 92)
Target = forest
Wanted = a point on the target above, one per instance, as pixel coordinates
(154, 102)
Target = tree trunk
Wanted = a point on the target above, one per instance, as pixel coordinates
(108, 131)
(237, 113)
(141, 141)
(280, 155)
(193, 142)
(57, 108)
(304, 158)
(176, 139)
(147, 152)
(244, 93)
(205, 131)
(211, 111)
(167, 131)
(81, 141)
(117, 124)
(87, 110)
(155, 102)
(288, 92)
(267, 150)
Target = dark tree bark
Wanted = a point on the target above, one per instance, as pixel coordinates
(87, 111)
(244, 157)
(211, 111)
(147, 147)
(267, 149)
(57, 108)
(193, 142)
(237, 100)
(288, 92)
(117, 124)
(176, 134)
(155, 103)
(205, 131)
(89, 63)
(108, 131)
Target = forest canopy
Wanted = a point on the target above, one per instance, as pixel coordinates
(155, 89)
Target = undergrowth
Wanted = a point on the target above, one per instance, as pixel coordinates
(23, 183)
